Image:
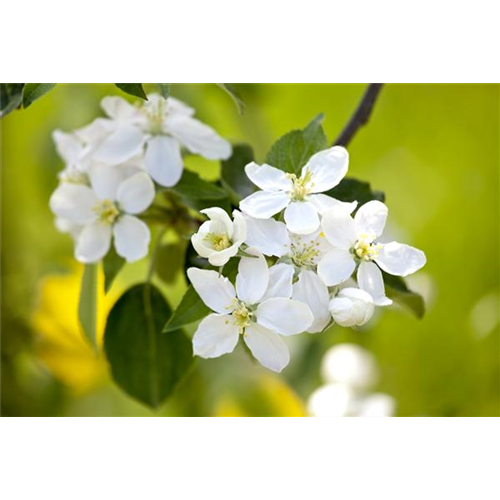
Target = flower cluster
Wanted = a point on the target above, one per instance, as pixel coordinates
(305, 261)
(114, 167)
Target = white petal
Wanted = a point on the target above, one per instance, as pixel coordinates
(377, 405)
(218, 214)
(284, 316)
(221, 258)
(339, 228)
(105, 180)
(399, 259)
(198, 137)
(264, 204)
(68, 146)
(176, 106)
(216, 291)
(268, 178)
(328, 168)
(95, 132)
(93, 242)
(323, 202)
(311, 290)
(239, 227)
(267, 235)
(122, 144)
(370, 218)
(118, 108)
(74, 202)
(164, 161)
(216, 335)
(136, 193)
(301, 217)
(280, 282)
(267, 347)
(252, 278)
(370, 280)
(132, 238)
(336, 266)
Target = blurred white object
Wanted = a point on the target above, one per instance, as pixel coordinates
(351, 307)
(351, 365)
(350, 371)
(377, 405)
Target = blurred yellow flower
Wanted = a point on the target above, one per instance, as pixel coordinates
(61, 344)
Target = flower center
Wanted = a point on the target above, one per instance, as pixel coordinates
(304, 255)
(301, 186)
(218, 241)
(107, 211)
(156, 116)
(365, 248)
(242, 316)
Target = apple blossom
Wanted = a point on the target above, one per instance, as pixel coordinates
(250, 309)
(355, 242)
(219, 238)
(107, 207)
(300, 253)
(299, 196)
(157, 129)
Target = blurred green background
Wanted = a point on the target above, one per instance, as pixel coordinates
(433, 149)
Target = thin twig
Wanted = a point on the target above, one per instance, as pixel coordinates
(361, 115)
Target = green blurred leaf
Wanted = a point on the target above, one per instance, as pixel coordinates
(235, 95)
(33, 91)
(397, 290)
(190, 309)
(134, 89)
(144, 363)
(233, 176)
(87, 305)
(169, 261)
(193, 187)
(292, 151)
(11, 96)
(351, 189)
(164, 89)
(112, 265)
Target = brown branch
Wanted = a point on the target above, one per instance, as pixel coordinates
(361, 115)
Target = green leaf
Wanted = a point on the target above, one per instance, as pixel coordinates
(33, 91)
(193, 187)
(233, 175)
(351, 189)
(292, 151)
(235, 95)
(87, 306)
(144, 363)
(134, 89)
(190, 309)
(397, 290)
(169, 260)
(164, 89)
(11, 96)
(112, 265)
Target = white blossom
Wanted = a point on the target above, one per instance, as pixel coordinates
(219, 238)
(104, 209)
(351, 307)
(355, 244)
(299, 196)
(247, 310)
(157, 130)
(301, 253)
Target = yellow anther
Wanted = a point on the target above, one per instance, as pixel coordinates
(218, 241)
(107, 211)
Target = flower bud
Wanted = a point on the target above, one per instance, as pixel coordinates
(351, 307)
